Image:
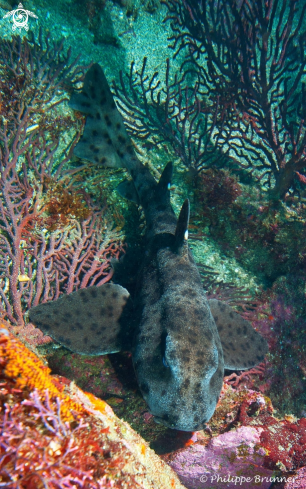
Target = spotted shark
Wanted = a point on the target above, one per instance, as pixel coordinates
(180, 341)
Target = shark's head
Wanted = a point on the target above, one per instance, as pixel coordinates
(178, 356)
(195, 365)
(182, 379)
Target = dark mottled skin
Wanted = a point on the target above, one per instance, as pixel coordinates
(177, 351)
(178, 356)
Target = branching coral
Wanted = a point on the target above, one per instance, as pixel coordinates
(235, 379)
(285, 329)
(33, 75)
(63, 204)
(39, 450)
(39, 261)
(45, 440)
(173, 113)
(250, 58)
(20, 364)
(36, 452)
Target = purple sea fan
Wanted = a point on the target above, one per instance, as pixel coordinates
(39, 450)
(171, 113)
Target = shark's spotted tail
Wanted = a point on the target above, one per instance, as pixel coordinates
(106, 142)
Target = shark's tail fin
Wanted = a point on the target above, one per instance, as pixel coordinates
(105, 140)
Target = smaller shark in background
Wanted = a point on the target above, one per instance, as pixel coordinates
(180, 341)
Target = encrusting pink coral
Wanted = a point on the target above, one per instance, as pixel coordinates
(229, 460)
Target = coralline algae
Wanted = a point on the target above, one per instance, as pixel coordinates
(233, 459)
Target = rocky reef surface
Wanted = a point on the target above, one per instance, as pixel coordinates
(54, 435)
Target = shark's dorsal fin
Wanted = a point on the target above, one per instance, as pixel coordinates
(243, 347)
(163, 186)
(181, 232)
(91, 321)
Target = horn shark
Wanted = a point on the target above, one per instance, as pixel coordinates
(180, 341)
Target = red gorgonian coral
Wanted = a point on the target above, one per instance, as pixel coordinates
(38, 263)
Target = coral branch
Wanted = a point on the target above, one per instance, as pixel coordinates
(39, 260)
(168, 112)
(235, 379)
(250, 59)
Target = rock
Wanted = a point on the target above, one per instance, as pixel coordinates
(62, 433)
(230, 460)
(297, 481)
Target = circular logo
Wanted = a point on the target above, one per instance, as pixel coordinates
(20, 18)
(203, 478)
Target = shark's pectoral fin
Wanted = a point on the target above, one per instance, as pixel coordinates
(243, 347)
(91, 321)
(127, 190)
(181, 232)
